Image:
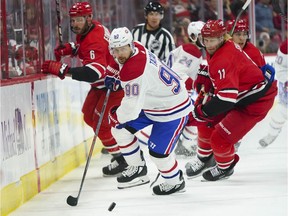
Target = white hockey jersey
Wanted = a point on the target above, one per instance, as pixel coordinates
(153, 87)
(281, 63)
(185, 60)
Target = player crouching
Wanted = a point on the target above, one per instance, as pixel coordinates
(153, 95)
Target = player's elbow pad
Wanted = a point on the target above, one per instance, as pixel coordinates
(216, 106)
(84, 73)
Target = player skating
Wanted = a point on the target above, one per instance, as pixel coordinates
(185, 60)
(243, 95)
(91, 47)
(279, 112)
(154, 95)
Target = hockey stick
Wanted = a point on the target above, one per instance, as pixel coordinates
(59, 22)
(238, 16)
(73, 201)
(277, 8)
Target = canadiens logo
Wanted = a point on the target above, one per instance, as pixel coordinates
(155, 45)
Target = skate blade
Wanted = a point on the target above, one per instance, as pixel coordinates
(115, 175)
(173, 194)
(135, 182)
(221, 179)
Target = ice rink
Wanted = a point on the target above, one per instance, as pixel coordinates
(258, 187)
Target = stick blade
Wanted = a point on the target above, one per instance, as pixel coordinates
(72, 201)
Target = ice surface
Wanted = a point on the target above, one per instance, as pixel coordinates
(257, 187)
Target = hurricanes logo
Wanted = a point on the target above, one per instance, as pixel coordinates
(155, 45)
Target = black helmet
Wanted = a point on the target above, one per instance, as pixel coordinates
(153, 6)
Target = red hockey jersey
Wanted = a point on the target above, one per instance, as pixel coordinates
(93, 51)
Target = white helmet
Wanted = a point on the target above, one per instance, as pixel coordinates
(194, 29)
(121, 37)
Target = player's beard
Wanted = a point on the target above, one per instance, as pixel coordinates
(82, 31)
(122, 60)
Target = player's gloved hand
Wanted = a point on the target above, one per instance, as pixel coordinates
(268, 72)
(112, 83)
(189, 84)
(113, 120)
(194, 122)
(56, 68)
(199, 115)
(65, 49)
(203, 81)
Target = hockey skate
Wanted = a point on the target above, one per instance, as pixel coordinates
(133, 176)
(267, 140)
(117, 166)
(184, 150)
(237, 145)
(167, 189)
(216, 173)
(198, 166)
(104, 151)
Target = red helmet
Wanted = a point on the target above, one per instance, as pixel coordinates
(80, 9)
(213, 28)
(241, 25)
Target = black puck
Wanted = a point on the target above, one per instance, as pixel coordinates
(112, 206)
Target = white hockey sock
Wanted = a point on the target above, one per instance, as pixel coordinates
(168, 168)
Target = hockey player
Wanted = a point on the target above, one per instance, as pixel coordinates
(241, 37)
(151, 34)
(91, 47)
(243, 95)
(279, 112)
(186, 60)
(154, 95)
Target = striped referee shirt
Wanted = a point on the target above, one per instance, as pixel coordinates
(158, 41)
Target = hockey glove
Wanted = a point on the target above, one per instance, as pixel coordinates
(194, 122)
(66, 49)
(203, 81)
(112, 83)
(189, 84)
(268, 72)
(199, 115)
(113, 120)
(56, 68)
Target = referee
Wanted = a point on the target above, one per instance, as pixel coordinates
(151, 34)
